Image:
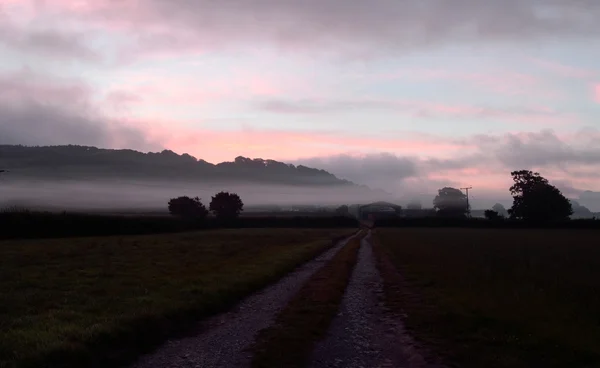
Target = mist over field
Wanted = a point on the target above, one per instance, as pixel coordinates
(154, 195)
(90, 178)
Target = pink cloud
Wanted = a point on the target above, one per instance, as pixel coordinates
(18, 10)
(480, 179)
(174, 91)
(596, 92)
(216, 146)
(482, 161)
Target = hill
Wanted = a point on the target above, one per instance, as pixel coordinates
(81, 162)
(79, 177)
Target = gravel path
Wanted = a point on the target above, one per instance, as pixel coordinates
(223, 338)
(365, 334)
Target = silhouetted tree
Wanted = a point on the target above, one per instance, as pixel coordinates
(535, 199)
(502, 212)
(187, 207)
(451, 202)
(492, 215)
(226, 205)
(342, 210)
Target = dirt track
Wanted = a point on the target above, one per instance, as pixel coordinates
(221, 340)
(364, 333)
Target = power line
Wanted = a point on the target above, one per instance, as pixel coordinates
(468, 205)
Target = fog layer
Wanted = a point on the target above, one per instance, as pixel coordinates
(106, 195)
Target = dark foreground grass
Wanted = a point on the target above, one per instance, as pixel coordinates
(498, 298)
(91, 302)
(23, 224)
(304, 321)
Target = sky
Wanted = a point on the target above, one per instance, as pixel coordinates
(406, 96)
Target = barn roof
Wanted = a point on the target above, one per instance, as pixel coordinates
(381, 204)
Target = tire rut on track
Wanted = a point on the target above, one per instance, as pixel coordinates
(364, 333)
(222, 339)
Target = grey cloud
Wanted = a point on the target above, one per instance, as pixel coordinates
(408, 107)
(540, 149)
(39, 111)
(356, 26)
(410, 176)
(35, 124)
(404, 177)
(435, 164)
(567, 188)
(381, 171)
(47, 42)
(346, 28)
(305, 106)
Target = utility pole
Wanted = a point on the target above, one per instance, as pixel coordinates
(468, 205)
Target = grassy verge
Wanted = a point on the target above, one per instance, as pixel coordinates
(102, 301)
(289, 342)
(497, 298)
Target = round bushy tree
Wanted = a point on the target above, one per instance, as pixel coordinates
(451, 202)
(186, 207)
(226, 206)
(342, 210)
(492, 215)
(534, 199)
(500, 210)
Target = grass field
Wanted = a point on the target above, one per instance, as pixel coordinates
(98, 301)
(499, 298)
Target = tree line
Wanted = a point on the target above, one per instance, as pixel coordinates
(534, 199)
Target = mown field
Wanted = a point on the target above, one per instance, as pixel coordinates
(499, 297)
(102, 301)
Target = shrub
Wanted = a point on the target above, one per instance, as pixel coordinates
(186, 207)
(226, 206)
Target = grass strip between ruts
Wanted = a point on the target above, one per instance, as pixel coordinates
(305, 320)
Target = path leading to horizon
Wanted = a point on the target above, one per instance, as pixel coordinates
(363, 334)
(221, 340)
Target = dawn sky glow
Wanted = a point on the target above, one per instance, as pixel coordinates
(396, 94)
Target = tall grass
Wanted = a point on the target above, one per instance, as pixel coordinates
(499, 298)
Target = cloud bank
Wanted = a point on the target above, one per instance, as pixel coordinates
(571, 162)
(349, 26)
(37, 110)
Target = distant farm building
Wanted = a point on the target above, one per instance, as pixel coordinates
(378, 210)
